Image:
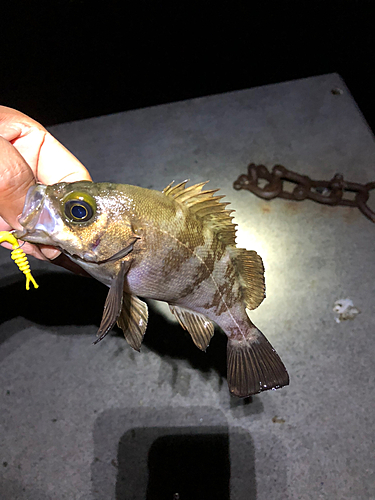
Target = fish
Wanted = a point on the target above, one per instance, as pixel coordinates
(178, 246)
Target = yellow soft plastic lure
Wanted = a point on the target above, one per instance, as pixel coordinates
(19, 257)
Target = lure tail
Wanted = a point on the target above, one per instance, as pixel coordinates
(19, 257)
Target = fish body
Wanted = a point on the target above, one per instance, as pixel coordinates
(176, 246)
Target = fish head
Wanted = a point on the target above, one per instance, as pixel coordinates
(83, 219)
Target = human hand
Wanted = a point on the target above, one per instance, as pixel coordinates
(30, 154)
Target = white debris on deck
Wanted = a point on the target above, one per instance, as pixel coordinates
(344, 309)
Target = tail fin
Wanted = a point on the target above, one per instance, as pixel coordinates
(253, 365)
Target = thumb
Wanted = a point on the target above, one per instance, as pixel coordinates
(15, 179)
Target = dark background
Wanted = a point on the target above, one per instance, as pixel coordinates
(66, 60)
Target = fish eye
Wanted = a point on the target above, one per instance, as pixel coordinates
(79, 207)
(78, 211)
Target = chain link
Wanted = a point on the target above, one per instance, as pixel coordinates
(327, 192)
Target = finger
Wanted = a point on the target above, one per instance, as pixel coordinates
(48, 251)
(64, 261)
(50, 161)
(12, 123)
(43, 252)
(57, 164)
(4, 226)
(30, 249)
(15, 179)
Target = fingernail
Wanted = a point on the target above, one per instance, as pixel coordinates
(50, 253)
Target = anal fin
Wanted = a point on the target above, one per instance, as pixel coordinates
(133, 320)
(200, 328)
(253, 365)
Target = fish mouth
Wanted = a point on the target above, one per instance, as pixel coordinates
(38, 218)
(33, 203)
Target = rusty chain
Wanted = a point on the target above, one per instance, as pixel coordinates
(327, 192)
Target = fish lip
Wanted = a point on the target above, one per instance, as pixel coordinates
(38, 218)
(33, 236)
(34, 201)
(19, 234)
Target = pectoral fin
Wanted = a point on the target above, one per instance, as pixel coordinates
(200, 328)
(113, 303)
(133, 320)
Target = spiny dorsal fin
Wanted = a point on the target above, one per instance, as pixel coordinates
(200, 328)
(206, 206)
(171, 190)
(251, 271)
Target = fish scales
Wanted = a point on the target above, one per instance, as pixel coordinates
(178, 252)
(177, 246)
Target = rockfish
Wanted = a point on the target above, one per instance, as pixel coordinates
(176, 246)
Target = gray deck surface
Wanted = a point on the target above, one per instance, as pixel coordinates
(79, 421)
